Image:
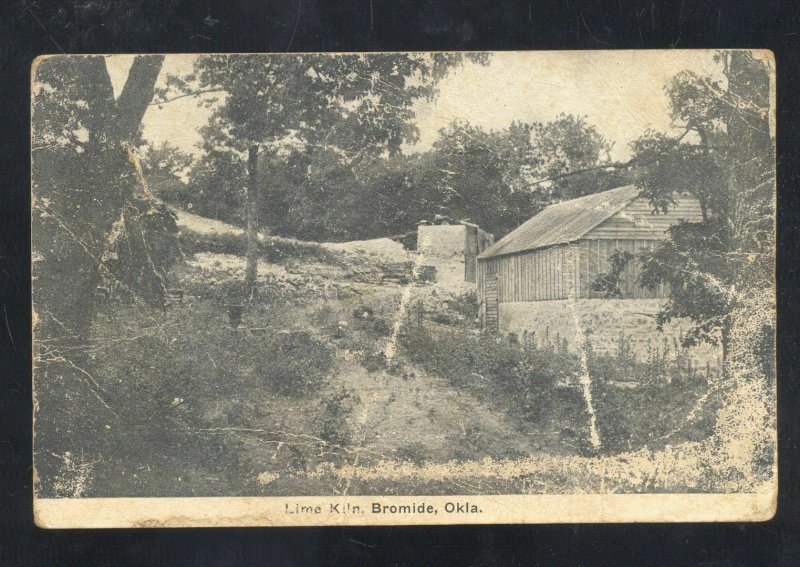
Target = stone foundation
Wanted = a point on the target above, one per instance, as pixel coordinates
(604, 322)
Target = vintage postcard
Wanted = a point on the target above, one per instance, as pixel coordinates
(404, 288)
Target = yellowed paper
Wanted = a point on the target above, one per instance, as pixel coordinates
(403, 288)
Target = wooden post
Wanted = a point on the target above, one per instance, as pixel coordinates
(251, 268)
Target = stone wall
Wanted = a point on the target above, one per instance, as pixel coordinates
(603, 322)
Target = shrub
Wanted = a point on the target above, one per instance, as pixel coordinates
(374, 361)
(228, 292)
(522, 378)
(365, 320)
(336, 410)
(663, 391)
(468, 441)
(324, 317)
(509, 368)
(293, 363)
(273, 248)
(415, 452)
(457, 310)
(276, 249)
(465, 304)
(194, 242)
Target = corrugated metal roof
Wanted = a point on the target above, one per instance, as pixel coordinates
(563, 222)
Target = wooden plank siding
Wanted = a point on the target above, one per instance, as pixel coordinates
(568, 270)
(638, 222)
(595, 259)
(538, 275)
(491, 311)
(564, 271)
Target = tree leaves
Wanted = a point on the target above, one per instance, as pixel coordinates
(731, 171)
(348, 101)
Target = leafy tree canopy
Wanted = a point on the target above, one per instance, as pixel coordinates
(730, 169)
(349, 103)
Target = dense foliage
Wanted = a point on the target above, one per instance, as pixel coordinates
(522, 369)
(724, 263)
(497, 179)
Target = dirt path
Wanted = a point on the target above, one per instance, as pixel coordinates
(419, 417)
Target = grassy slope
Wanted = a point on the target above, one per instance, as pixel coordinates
(194, 408)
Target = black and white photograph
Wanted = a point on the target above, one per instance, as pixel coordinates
(403, 288)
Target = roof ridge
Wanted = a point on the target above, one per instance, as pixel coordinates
(591, 196)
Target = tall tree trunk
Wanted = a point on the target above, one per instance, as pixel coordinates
(725, 340)
(79, 195)
(702, 197)
(251, 269)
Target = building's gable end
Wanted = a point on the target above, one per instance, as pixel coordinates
(637, 221)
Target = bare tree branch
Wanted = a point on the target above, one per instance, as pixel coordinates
(185, 95)
(605, 166)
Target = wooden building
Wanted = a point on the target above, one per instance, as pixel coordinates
(560, 252)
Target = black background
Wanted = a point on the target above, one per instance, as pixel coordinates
(29, 28)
